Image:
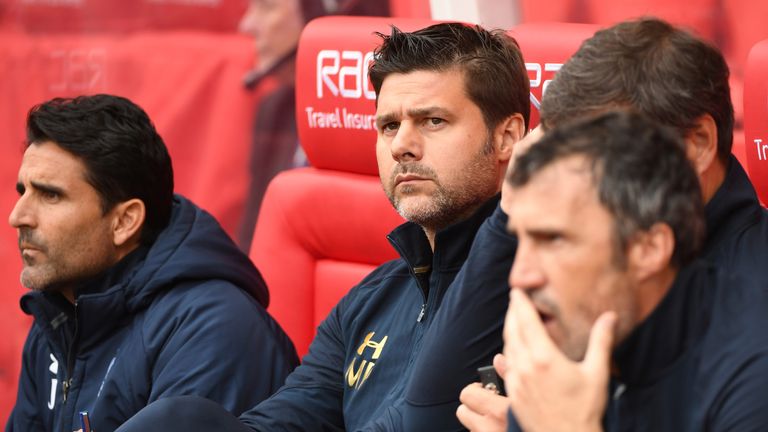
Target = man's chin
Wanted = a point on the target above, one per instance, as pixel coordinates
(34, 282)
(415, 208)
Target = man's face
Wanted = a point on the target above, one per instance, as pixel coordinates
(275, 26)
(566, 259)
(63, 235)
(436, 160)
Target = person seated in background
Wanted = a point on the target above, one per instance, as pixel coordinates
(275, 26)
(136, 293)
(645, 65)
(611, 324)
(452, 101)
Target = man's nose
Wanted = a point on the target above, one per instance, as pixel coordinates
(21, 215)
(526, 272)
(407, 144)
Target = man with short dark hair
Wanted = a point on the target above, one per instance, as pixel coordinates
(452, 101)
(137, 294)
(608, 217)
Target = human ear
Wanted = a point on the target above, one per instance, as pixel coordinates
(650, 252)
(507, 134)
(701, 143)
(128, 219)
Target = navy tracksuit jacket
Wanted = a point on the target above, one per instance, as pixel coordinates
(184, 316)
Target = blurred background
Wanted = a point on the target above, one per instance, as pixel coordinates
(216, 77)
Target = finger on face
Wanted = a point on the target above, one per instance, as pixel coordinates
(534, 337)
(527, 320)
(600, 345)
(510, 332)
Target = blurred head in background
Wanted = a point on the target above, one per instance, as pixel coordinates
(276, 25)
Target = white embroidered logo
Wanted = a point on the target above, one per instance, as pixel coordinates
(54, 368)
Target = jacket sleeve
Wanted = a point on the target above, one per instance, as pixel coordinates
(312, 397)
(219, 343)
(26, 415)
(742, 404)
(466, 332)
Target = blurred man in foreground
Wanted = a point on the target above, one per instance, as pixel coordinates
(608, 217)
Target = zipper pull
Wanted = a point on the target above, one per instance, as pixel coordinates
(422, 312)
(619, 391)
(65, 385)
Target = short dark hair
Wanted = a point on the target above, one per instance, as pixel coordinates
(123, 154)
(495, 78)
(640, 171)
(649, 66)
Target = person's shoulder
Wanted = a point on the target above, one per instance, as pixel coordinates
(382, 282)
(739, 306)
(394, 271)
(35, 339)
(205, 299)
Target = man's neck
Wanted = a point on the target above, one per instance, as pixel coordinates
(69, 291)
(69, 294)
(430, 236)
(712, 179)
(653, 290)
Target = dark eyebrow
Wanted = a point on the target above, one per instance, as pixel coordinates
(384, 119)
(432, 111)
(46, 188)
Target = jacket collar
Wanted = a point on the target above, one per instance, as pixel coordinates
(452, 244)
(100, 302)
(670, 330)
(733, 207)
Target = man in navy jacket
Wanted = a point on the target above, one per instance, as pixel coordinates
(452, 100)
(605, 293)
(137, 294)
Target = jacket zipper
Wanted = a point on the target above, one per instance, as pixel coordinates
(415, 272)
(67, 384)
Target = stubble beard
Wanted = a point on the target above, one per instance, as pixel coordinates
(445, 205)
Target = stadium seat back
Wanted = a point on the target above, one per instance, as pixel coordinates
(546, 47)
(756, 118)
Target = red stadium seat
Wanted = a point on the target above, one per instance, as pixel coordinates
(410, 8)
(322, 229)
(546, 46)
(756, 118)
(700, 16)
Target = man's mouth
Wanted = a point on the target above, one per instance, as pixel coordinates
(27, 247)
(405, 178)
(544, 317)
